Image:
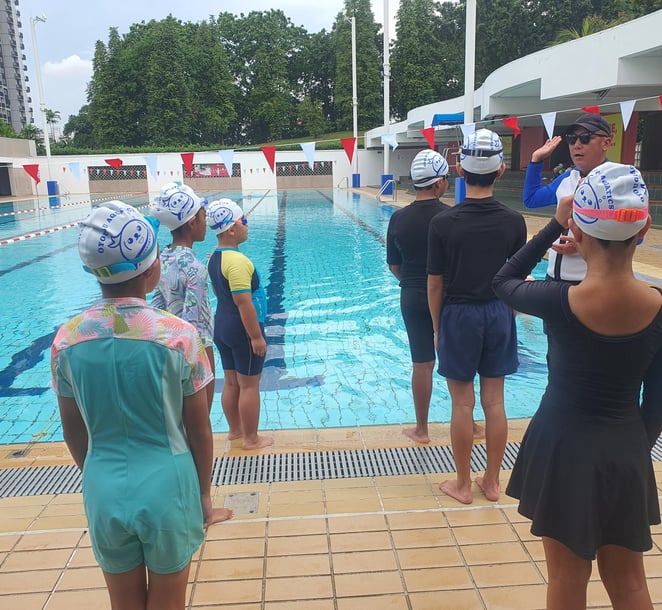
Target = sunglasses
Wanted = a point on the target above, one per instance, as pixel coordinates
(584, 138)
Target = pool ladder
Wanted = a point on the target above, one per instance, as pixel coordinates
(394, 194)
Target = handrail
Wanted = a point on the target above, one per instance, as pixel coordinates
(385, 186)
(345, 179)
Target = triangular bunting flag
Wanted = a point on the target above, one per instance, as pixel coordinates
(33, 171)
(227, 156)
(626, 112)
(391, 139)
(187, 160)
(428, 134)
(549, 120)
(591, 109)
(116, 163)
(349, 144)
(152, 164)
(468, 129)
(269, 153)
(74, 166)
(308, 149)
(513, 123)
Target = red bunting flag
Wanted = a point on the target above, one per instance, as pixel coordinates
(661, 100)
(116, 163)
(591, 109)
(349, 144)
(269, 153)
(428, 134)
(187, 160)
(33, 171)
(513, 123)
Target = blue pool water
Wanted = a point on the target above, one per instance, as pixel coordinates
(338, 352)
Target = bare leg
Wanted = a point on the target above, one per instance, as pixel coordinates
(622, 572)
(167, 591)
(128, 590)
(210, 387)
(463, 400)
(567, 576)
(496, 434)
(230, 404)
(249, 412)
(421, 386)
(479, 431)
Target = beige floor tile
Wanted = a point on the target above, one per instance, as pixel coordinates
(403, 480)
(25, 601)
(524, 531)
(475, 516)
(227, 591)
(230, 530)
(293, 498)
(427, 519)
(231, 569)
(296, 486)
(419, 503)
(91, 599)
(531, 597)
(67, 499)
(655, 588)
(42, 560)
(63, 510)
(30, 511)
(535, 549)
(61, 522)
(366, 505)
(438, 557)
(446, 600)
(238, 547)
(484, 534)
(502, 552)
(298, 545)
(438, 579)
(308, 604)
(404, 491)
(364, 561)
(351, 494)
(8, 541)
(82, 578)
(353, 483)
(35, 581)
(25, 500)
(506, 574)
(298, 588)
(297, 527)
(439, 536)
(513, 516)
(383, 602)
(364, 584)
(15, 525)
(357, 523)
(298, 565)
(294, 510)
(360, 541)
(48, 540)
(653, 565)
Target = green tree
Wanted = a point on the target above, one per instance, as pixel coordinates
(311, 116)
(79, 129)
(52, 119)
(369, 62)
(6, 130)
(31, 132)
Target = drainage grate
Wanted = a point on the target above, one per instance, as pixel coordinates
(281, 467)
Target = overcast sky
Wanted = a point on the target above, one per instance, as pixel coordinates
(65, 42)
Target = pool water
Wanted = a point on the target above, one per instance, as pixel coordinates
(337, 349)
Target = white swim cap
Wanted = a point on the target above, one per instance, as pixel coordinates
(427, 167)
(222, 213)
(176, 205)
(117, 243)
(611, 203)
(482, 152)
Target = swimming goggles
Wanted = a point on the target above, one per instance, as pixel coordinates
(132, 265)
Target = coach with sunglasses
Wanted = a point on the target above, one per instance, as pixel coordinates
(589, 139)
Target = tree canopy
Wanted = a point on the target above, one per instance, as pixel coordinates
(240, 80)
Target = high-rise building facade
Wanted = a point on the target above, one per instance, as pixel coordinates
(15, 100)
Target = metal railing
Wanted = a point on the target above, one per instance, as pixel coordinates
(394, 194)
(345, 180)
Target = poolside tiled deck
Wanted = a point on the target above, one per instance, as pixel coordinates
(386, 543)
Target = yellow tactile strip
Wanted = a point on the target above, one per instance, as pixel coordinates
(342, 544)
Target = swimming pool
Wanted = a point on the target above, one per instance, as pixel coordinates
(338, 352)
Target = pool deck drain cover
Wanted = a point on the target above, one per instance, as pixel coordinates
(282, 467)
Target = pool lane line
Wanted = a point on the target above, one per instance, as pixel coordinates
(366, 227)
(12, 240)
(53, 207)
(37, 259)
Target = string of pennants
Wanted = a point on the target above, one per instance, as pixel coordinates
(512, 122)
(348, 144)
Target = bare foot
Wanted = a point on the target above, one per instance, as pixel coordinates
(491, 492)
(260, 443)
(479, 431)
(450, 488)
(233, 436)
(218, 515)
(413, 434)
